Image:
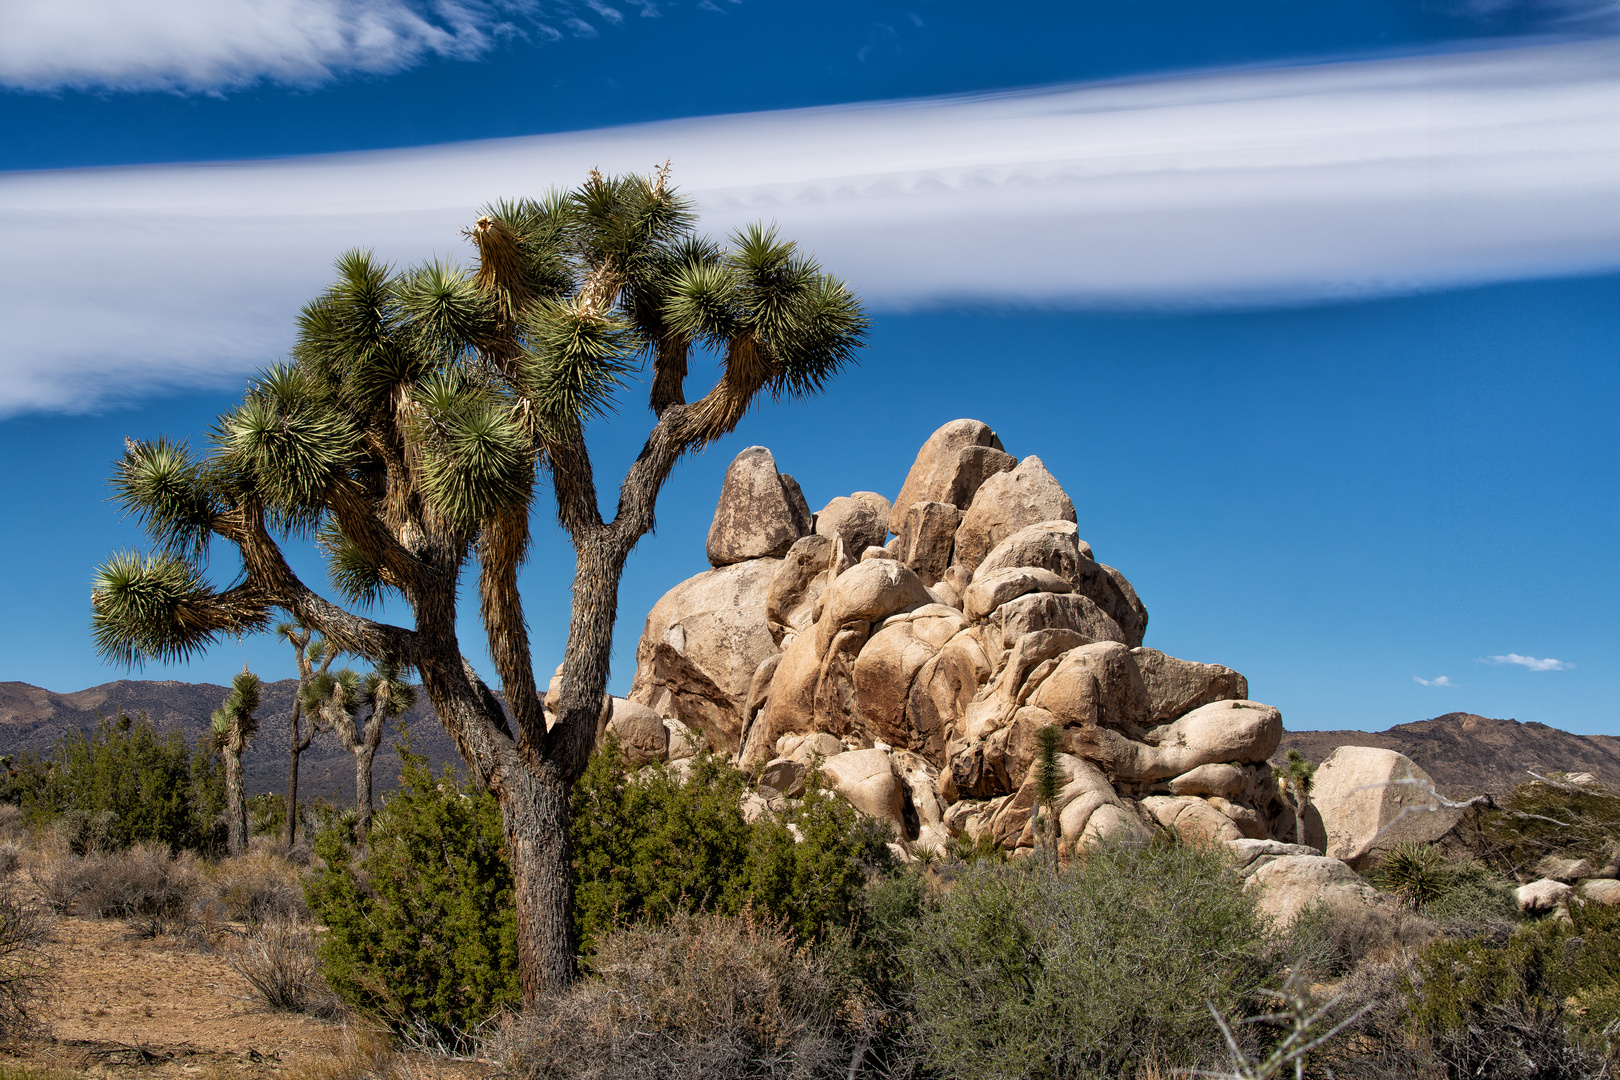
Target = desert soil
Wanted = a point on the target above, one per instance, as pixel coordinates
(160, 1007)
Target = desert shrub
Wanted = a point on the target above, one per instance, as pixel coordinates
(13, 824)
(648, 845)
(1475, 903)
(1463, 897)
(1341, 933)
(276, 958)
(59, 879)
(1540, 819)
(24, 781)
(1539, 1004)
(354, 1053)
(147, 886)
(1019, 971)
(1417, 873)
(728, 997)
(82, 832)
(134, 784)
(267, 814)
(25, 971)
(11, 852)
(420, 927)
(259, 886)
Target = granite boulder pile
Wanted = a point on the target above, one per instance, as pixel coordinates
(912, 649)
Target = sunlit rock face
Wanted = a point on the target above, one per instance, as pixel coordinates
(915, 673)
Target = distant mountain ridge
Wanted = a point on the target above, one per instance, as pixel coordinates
(1465, 753)
(35, 719)
(1469, 755)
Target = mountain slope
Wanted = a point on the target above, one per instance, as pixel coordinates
(1468, 754)
(34, 719)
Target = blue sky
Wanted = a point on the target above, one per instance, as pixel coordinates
(1313, 308)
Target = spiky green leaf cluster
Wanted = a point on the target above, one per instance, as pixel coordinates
(153, 608)
(478, 463)
(164, 488)
(286, 444)
(807, 323)
(234, 719)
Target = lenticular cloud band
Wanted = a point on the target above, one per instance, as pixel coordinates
(1292, 185)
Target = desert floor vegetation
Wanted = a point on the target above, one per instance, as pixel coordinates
(727, 937)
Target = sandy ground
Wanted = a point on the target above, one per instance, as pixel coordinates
(160, 1007)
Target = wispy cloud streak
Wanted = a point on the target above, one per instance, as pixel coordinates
(1282, 186)
(1444, 680)
(191, 46)
(1513, 658)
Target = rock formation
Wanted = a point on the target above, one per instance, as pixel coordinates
(915, 671)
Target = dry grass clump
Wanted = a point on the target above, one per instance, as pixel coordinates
(259, 886)
(25, 972)
(1348, 931)
(721, 997)
(355, 1054)
(147, 886)
(276, 957)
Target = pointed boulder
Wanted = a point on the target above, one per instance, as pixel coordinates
(758, 515)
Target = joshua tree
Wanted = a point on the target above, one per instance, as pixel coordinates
(1048, 782)
(234, 727)
(338, 698)
(312, 658)
(409, 436)
(1297, 775)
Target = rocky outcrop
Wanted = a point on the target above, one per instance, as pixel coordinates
(760, 512)
(1287, 886)
(701, 645)
(916, 672)
(1371, 799)
(1005, 503)
(950, 468)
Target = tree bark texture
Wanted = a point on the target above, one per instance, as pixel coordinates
(362, 792)
(535, 815)
(235, 804)
(295, 749)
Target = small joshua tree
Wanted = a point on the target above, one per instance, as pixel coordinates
(338, 699)
(1048, 782)
(1297, 774)
(234, 727)
(312, 658)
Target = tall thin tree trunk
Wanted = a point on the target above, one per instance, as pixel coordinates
(235, 804)
(534, 812)
(363, 756)
(295, 750)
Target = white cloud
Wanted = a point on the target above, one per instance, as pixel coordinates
(214, 45)
(1549, 664)
(1291, 185)
(1444, 680)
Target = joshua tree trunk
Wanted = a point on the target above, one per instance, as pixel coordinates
(362, 792)
(235, 804)
(534, 812)
(295, 749)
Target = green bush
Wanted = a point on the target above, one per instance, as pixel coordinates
(1541, 819)
(1538, 1004)
(647, 846)
(420, 928)
(133, 784)
(1019, 971)
(1463, 897)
